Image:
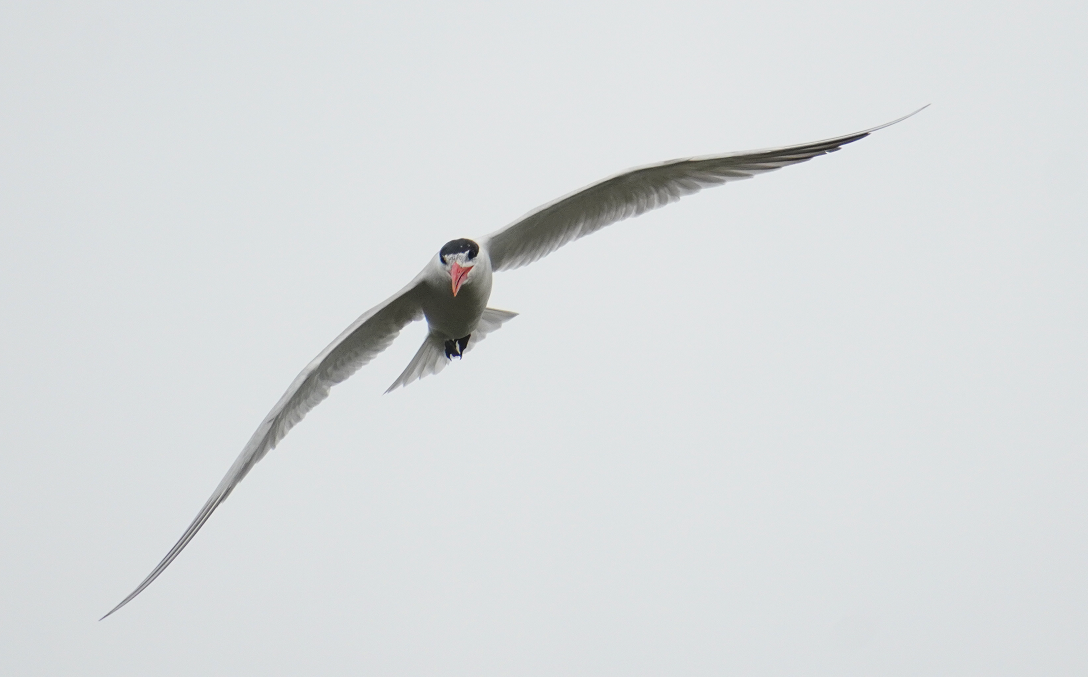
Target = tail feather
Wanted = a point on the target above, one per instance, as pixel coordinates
(490, 321)
(431, 356)
(429, 359)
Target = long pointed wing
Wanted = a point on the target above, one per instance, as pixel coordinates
(630, 193)
(357, 345)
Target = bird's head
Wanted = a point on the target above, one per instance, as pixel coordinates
(459, 257)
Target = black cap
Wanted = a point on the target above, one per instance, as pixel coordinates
(459, 246)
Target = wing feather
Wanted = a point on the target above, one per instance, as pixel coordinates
(639, 190)
(372, 333)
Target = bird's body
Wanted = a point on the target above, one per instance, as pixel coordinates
(452, 290)
(456, 316)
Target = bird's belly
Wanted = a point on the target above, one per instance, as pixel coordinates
(455, 317)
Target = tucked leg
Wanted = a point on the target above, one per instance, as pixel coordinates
(456, 347)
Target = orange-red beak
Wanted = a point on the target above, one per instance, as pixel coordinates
(458, 275)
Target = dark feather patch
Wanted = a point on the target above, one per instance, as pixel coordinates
(459, 246)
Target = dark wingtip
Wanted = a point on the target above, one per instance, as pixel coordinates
(110, 613)
(123, 602)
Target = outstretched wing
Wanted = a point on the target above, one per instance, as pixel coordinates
(630, 193)
(357, 345)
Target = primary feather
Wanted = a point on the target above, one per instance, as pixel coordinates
(638, 190)
(357, 345)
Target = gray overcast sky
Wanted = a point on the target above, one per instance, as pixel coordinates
(830, 421)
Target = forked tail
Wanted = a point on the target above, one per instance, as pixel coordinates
(431, 356)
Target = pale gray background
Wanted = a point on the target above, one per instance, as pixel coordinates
(830, 421)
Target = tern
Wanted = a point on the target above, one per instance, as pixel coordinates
(452, 290)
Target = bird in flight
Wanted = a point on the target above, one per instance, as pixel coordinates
(452, 290)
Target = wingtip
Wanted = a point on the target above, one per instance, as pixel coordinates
(897, 120)
(123, 603)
